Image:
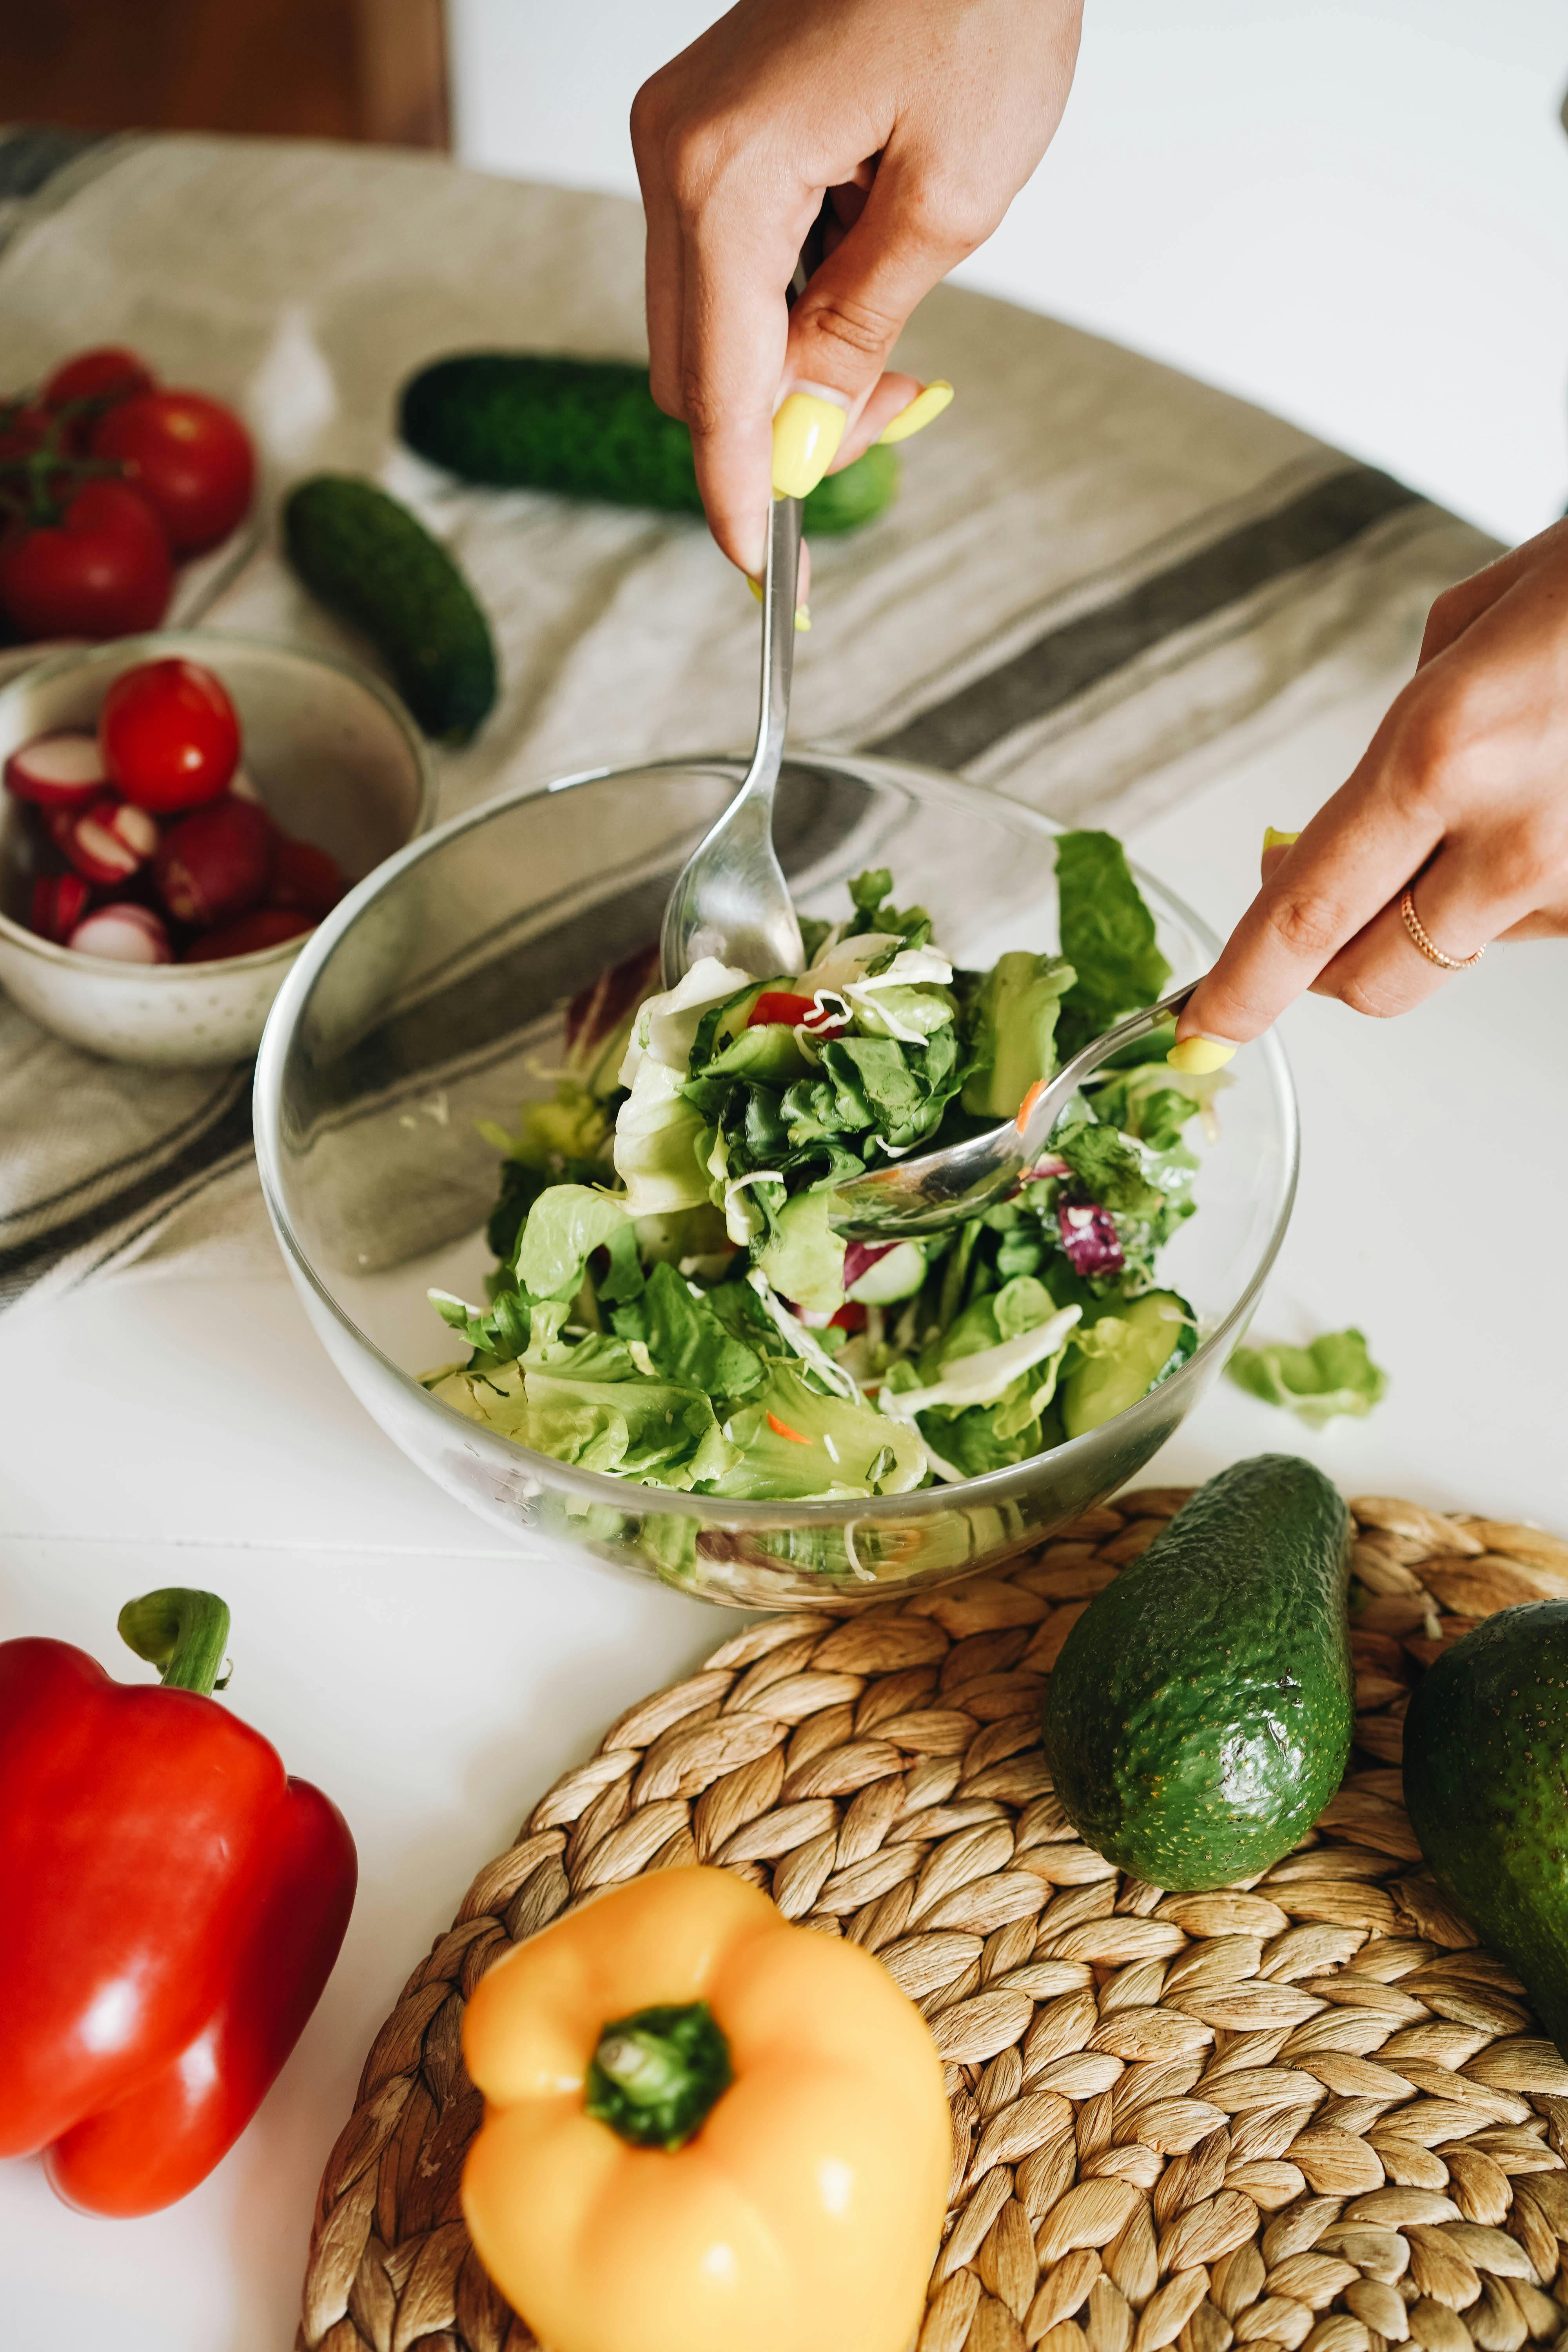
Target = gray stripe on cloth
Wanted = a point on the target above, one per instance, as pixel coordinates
(127, 1198)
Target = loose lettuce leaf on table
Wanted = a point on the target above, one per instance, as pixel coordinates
(1333, 1374)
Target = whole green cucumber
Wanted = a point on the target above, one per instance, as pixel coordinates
(368, 558)
(589, 429)
(1200, 1714)
(1486, 1753)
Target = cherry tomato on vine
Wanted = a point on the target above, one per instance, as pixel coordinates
(108, 372)
(169, 735)
(100, 569)
(24, 428)
(191, 457)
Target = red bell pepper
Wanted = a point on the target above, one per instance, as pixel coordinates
(172, 1906)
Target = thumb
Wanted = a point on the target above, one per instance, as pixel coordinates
(850, 315)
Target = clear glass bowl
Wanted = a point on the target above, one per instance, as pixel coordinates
(432, 997)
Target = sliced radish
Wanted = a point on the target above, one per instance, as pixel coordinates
(63, 770)
(264, 927)
(215, 863)
(123, 934)
(60, 902)
(306, 877)
(106, 842)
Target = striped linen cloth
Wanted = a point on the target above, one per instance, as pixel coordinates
(1101, 584)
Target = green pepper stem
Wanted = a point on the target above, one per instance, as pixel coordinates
(656, 2075)
(183, 1632)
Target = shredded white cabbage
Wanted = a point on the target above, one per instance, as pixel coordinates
(809, 1349)
(988, 1373)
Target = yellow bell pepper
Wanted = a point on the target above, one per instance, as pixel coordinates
(705, 2130)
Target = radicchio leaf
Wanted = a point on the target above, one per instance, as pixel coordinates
(1090, 1238)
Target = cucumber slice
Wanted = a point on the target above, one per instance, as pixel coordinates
(1124, 1355)
(897, 1275)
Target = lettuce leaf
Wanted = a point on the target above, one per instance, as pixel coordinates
(1011, 1038)
(795, 1441)
(564, 1227)
(1110, 1170)
(802, 1258)
(1107, 936)
(686, 1342)
(871, 893)
(876, 1087)
(1333, 1374)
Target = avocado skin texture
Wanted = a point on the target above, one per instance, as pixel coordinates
(1486, 1788)
(1200, 1714)
(368, 558)
(590, 429)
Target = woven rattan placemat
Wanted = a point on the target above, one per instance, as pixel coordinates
(1309, 2112)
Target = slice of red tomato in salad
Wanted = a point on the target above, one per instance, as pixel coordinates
(781, 1005)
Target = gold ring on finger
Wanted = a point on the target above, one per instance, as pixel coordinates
(1427, 945)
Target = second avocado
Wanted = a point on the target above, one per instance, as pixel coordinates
(1200, 1714)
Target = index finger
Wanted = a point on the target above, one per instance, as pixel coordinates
(1357, 854)
(734, 330)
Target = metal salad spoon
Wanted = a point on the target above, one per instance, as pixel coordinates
(730, 898)
(937, 1189)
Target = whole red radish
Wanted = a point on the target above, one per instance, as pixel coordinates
(102, 570)
(215, 863)
(169, 735)
(64, 769)
(306, 877)
(106, 842)
(264, 927)
(107, 372)
(123, 934)
(190, 455)
(60, 902)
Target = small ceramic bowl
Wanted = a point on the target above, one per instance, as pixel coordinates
(332, 753)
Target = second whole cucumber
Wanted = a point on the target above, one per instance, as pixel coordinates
(590, 429)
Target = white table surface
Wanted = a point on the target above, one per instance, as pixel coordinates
(435, 1681)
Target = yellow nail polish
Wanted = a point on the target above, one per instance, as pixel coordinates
(802, 611)
(1198, 1057)
(1273, 840)
(807, 434)
(923, 410)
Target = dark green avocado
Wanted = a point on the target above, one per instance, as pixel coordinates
(589, 429)
(1486, 1787)
(1200, 1714)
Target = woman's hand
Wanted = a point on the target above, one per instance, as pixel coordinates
(920, 119)
(1462, 797)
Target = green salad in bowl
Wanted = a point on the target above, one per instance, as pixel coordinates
(671, 1305)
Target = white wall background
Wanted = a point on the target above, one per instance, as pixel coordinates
(1356, 215)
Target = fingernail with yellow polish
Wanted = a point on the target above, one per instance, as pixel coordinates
(802, 611)
(1197, 1057)
(1274, 840)
(807, 434)
(923, 410)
